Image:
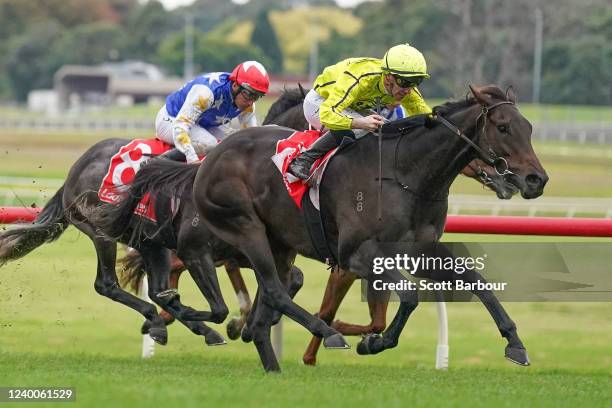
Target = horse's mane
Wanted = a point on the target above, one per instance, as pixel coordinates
(288, 99)
(450, 107)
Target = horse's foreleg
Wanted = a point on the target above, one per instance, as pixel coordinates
(374, 343)
(515, 350)
(236, 323)
(338, 284)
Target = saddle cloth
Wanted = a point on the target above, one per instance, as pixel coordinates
(122, 169)
(288, 149)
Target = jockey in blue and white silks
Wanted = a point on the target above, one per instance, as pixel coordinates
(195, 117)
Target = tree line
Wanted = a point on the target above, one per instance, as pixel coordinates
(464, 41)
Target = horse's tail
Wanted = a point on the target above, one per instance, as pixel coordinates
(47, 227)
(159, 177)
(131, 271)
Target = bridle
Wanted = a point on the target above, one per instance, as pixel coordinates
(482, 175)
(491, 158)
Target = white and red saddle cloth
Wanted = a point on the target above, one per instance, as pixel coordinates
(123, 167)
(288, 149)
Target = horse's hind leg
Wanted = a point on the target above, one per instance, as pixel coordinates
(260, 329)
(107, 285)
(175, 274)
(338, 285)
(157, 261)
(202, 270)
(378, 322)
(236, 323)
(274, 295)
(272, 291)
(294, 284)
(176, 268)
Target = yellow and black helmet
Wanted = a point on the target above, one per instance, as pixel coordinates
(405, 61)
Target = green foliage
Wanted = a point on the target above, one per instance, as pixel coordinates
(578, 70)
(265, 38)
(337, 48)
(208, 13)
(91, 44)
(148, 25)
(210, 54)
(29, 60)
(476, 41)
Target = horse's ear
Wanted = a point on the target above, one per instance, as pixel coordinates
(482, 98)
(302, 90)
(510, 95)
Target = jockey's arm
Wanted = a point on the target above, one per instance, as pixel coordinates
(414, 104)
(199, 98)
(344, 92)
(247, 118)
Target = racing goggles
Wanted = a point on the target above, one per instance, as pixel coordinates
(249, 93)
(407, 82)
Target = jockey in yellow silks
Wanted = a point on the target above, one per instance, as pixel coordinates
(345, 90)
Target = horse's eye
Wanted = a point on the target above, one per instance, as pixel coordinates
(502, 128)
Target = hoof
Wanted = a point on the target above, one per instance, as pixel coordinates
(146, 326)
(309, 361)
(246, 335)
(370, 344)
(517, 356)
(213, 338)
(159, 335)
(335, 341)
(234, 327)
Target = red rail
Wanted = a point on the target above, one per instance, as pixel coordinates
(9, 215)
(579, 227)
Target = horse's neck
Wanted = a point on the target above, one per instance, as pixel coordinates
(429, 161)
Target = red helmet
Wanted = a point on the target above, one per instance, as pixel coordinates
(252, 76)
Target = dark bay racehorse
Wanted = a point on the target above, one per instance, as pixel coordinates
(73, 204)
(243, 201)
(288, 111)
(264, 224)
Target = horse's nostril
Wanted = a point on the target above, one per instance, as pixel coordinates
(533, 179)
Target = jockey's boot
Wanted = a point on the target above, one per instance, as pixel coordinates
(174, 155)
(300, 166)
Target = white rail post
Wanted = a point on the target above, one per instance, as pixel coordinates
(148, 345)
(277, 339)
(442, 349)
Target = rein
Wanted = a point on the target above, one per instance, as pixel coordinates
(491, 158)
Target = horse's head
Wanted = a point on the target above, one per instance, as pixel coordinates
(287, 110)
(505, 134)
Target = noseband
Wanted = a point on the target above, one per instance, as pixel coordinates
(491, 158)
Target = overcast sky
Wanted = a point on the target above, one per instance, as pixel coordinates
(171, 4)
